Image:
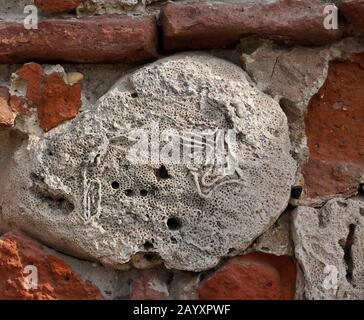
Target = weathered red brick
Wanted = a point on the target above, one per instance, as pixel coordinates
(57, 6)
(56, 279)
(102, 39)
(33, 74)
(7, 117)
(149, 285)
(221, 25)
(334, 128)
(55, 100)
(20, 105)
(353, 10)
(256, 276)
(325, 179)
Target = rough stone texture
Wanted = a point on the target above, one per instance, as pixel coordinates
(335, 137)
(353, 10)
(112, 222)
(55, 100)
(329, 239)
(184, 286)
(220, 25)
(7, 116)
(9, 142)
(56, 280)
(277, 239)
(111, 39)
(114, 6)
(149, 285)
(256, 276)
(57, 6)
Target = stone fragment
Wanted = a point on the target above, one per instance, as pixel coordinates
(22, 259)
(7, 116)
(294, 76)
(149, 285)
(207, 25)
(353, 11)
(276, 240)
(257, 276)
(329, 247)
(83, 191)
(54, 100)
(57, 6)
(108, 39)
(74, 77)
(290, 75)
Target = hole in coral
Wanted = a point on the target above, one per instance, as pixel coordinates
(148, 245)
(296, 192)
(151, 257)
(134, 95)
(361, 190)
(174, 223)
(36, 178)
(342, 204)
(129, 193)
(162, 173)
(115, 185)
(361, 210)
(143, 193)
(322, 220)
(173, 240)
(347, 244)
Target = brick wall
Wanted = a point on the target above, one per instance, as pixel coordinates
(56, 71)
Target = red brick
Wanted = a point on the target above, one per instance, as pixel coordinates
(334, 128)
(324, 179)
(20, 105)
(256, 276)
(55, 100)
(103, 39)
(7, 117)
(353, 10)
(57, 6)
(56, 279)
(221, 25)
